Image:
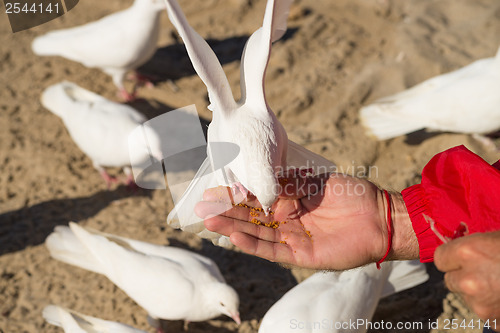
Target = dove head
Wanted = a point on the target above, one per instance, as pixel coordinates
(223, 299)
(266, 199)
(265, 186)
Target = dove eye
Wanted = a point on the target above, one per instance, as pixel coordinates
(222, 304)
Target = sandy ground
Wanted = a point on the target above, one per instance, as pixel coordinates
(337, 56)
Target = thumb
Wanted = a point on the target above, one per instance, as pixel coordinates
(298, 186)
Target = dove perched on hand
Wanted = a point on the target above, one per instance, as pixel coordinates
(465, 101)
(99, 127)
(74, 322)
(340, 301)
(116, 44)
(169, 283)
(249, 124)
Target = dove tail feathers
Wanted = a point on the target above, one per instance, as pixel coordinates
(62, 317)
(63, 245)
(385, 121)
(404, 275)
(45, 46)
(52, 314)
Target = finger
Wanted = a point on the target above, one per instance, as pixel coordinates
(450, 281)
(227, 195)
(241, 211)
(222, 194)
(446, 256)
(465, 283)
(206, 208)
(457, 282)
(228, 226)
(297, 187)
(269, 250)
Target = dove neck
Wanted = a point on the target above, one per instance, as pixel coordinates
(206, 300)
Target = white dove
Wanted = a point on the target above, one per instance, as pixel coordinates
(465, 100)
(169, 283)
(249, 124)
(74, 322)
(99, 127)
(340, 301)
(116, 44)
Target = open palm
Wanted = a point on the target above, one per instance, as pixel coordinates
(323, 222)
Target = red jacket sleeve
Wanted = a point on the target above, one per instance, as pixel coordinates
(457, 186)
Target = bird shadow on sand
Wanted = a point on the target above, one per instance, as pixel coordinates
(259, 280)
(172, 62)
(29, 226)
(193, 327)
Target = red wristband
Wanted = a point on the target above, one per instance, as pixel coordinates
(389, 229)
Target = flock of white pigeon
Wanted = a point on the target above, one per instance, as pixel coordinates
(176, 284)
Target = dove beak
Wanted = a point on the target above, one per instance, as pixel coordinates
(267, 210)
(236, 317)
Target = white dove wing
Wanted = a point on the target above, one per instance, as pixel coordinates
(468, 104)
(461, 101)
(280, 18)
(471, 71)
(190, 260)
(464, 100)
(159, 285)
(204, 61)
(101, 127)
(257, 50)
(75, 322)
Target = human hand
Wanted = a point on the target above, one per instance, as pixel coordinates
(472, 269)
(325, 222)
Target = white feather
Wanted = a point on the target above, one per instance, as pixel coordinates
(465, 101)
